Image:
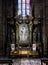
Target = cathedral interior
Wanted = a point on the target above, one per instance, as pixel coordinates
(23, 32)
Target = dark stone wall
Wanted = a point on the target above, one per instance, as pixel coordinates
(1, 29)
(46, 27)
(6, 9)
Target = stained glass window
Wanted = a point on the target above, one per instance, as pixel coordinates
(23, 7)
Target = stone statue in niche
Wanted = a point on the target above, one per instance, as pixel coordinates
(23, 33)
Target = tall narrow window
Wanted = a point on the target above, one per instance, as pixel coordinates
(27, 6)
(23, 8)
(19, 7)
